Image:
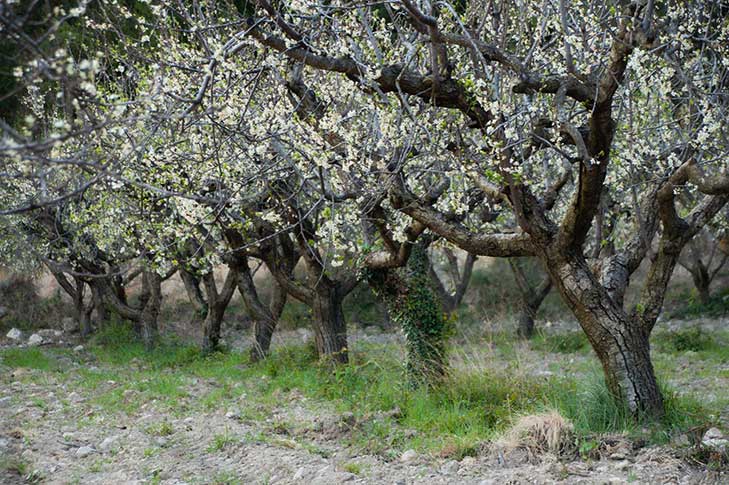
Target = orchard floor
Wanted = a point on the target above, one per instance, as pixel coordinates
(111, 417)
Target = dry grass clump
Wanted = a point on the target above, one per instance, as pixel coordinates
(539, 434)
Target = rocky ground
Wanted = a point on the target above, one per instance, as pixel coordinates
(55, 430)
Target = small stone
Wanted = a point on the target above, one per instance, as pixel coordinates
(15, 334)
(48, 333)
(714, 439)
(75, 397)
(67, 436)
(450, 467)
(35, 340)
(78, 348)
(409, 456)
(69, 325)
(712, 434)
(161, 441)
(232, 415)
(617, 456)
(468, 461)
(299, 475)
(84, 451)
(109, 443)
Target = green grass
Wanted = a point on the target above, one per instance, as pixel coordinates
(29, 358)
(453, 419)
(221, 441)
(703, 345)
(563, 343)
(686, 305)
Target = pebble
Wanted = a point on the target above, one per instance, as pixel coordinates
(299, 475)
(35, 340)
(84, 451)
(109, 443)
(450, 467)
(468, 461)
(14, 334)
(408, 456)
(78, 348)
(714, 438)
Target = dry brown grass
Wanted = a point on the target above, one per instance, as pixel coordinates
(539, 434)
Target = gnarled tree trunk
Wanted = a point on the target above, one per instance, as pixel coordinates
(264, 318)
(619, 340)
(150, 311)
(217, 302)
(144, 315)
(330, 329)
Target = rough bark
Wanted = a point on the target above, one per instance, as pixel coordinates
(700, 277)
(330, 329)
(217, 302)
(102, 313)
(620, 342)
(150, 311)
(265, 318)
(194, 293)
(77, 292)
(144, 315)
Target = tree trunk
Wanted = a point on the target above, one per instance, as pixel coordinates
(629, 373)
(194, 294)
(525, 326)
(620, 342)
(102, 313)
(217, 303)
(211, 328)
(264, 319)
(83, 312)
(265, 326)
(702, 282)
(414, 304)
(330, 329)
(84, 321)
(150, 311)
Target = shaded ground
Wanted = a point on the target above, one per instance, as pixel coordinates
(92, 416)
